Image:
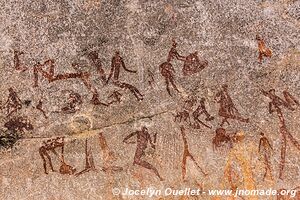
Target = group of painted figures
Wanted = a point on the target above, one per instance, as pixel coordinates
(189, 115)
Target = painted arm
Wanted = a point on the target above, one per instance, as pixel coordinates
(128, 137)
(111, 70)
(128, 70)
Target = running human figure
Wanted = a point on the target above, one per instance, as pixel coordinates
(227, 108)
(265, 148)
(276, 105)
(187, 154)
(143, 137)
(13, 102)
(262, 49)
(116, 64)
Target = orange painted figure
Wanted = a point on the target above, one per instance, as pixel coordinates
(89, 161)
(240, 155)
(262, 49)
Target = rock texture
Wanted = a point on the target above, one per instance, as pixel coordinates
(75, 102)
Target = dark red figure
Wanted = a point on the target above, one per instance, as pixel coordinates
(17, 62)
(40, 108)
(183, 116)
(276, 105)
(51, 145)
(265, 148)
(18, 124)
(116, 64)
(143, 137)
(167, 71)
(201, 109)
(13, 102)
(51, 77)
(173, 54)
(94, 57)
(221, 138)
(116, 97)
(89, 160)
(187, 154)
(193, 64)
(131, 88)
(227, 108)
(75, 100)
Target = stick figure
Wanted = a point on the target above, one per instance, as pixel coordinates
(116, 63)
(265, 149)
(187, 154)
(94, 57)
(201, 109)
(108, 156)
(13, 102)
(276, 105)
(262, 49)
(131, 88)
(51, 77)
(143, 137)
(51, 145)
(39, 106)
(89, 161)
(227, 108)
